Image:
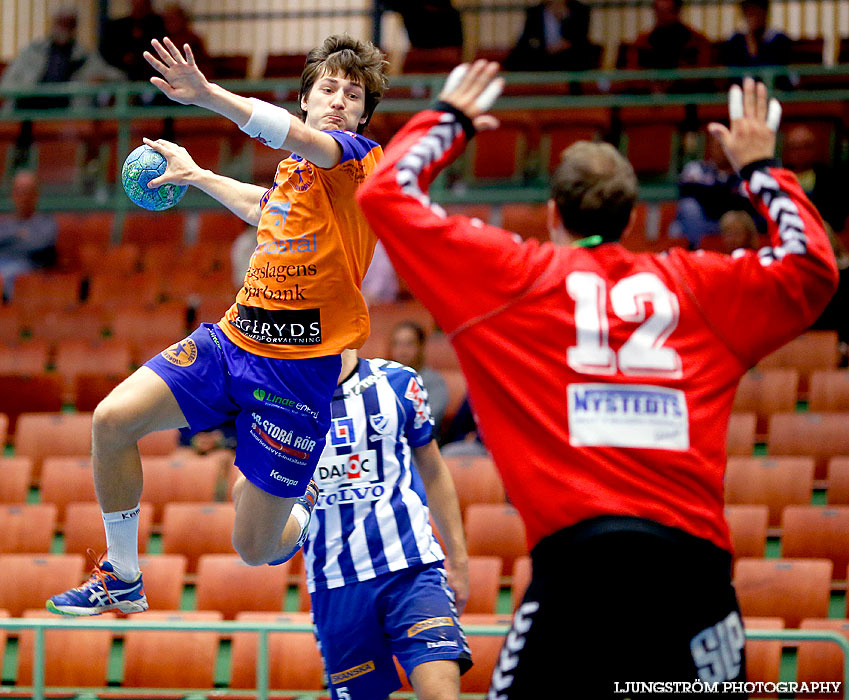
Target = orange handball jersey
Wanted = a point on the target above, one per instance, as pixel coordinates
(301, 296)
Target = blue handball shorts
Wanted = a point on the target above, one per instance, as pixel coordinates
(409, 614)
(281, 407)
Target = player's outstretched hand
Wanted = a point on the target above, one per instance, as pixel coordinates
(181, 166)
(473, 89)
(181, 79)
(754, 121)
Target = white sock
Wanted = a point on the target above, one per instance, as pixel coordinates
(122, 542)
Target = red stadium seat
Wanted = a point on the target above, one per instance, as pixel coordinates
(226, 584)
(792, 589)
(748, 526)
(821, 435)
(283, 648)
(22, 394)
(27, 580)
(144, 228)
(25, 358)
(495, 530)
(775, 482)
(27, 528)
(15, 478)
(169, 659)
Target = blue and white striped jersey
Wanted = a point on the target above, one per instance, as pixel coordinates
(372, 515)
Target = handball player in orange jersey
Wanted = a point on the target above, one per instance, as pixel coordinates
(273, 361)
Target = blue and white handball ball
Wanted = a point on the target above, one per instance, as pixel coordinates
(143, 165)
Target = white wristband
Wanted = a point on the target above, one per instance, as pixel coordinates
(268, 124)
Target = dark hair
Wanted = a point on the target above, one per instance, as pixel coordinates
(594, 188)
(762, 4)
(357, 60)
(421, 336)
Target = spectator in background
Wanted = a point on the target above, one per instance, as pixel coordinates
(58, 58)
(823, 184)
(380, 285)
(706, 190)
(671, 43)
(27, 237)
(124, 40)
(758, 45)
(406, 345)
(431, 24)
(738, 231)
(178, 28)
(555, 37)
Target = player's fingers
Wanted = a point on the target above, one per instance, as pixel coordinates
(749, 109)
(719, 131)
(155, 145)
(455, 78)
(735, 103)
(773, 114)
(163, 85)
(166, 57)
(190, 57)
(760, 102)
(485, 122)
(157, 181)
(173, 50)
(490, 94)
(155, 62)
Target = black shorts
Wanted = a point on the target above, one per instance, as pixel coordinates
(618, 606)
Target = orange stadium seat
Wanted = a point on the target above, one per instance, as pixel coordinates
(78, 228)
(821, 435)
(283, 647)
(15, 478)
(40, 392)
(25, 358)
(181, 477)
(528, 220)
(160, 443)
(41, 435)
(90, 388)
(476, 480)
(193, 529)
(829, 391)
(120, 294)
(495, 530)
(821, 661)
(485, 650)
(64, 480)
(763, 658)
(776, 482)
(764, 392)
(791, 589)
(48, 290)
(838, 481)
(226, 584)
(4, 428)
(27, 528)
(27, 580)
(218, 226)
(817, 532)
(169, 659)
(748, 525)
(81, 325)
(72, 658)
(12, 324)
(167, 325)
(114, 262)
(83, 528)
(499, 155)
(811, 351)
(164, 576)
(146, 228)
(522, 571)
(741, 434)
(484, 583)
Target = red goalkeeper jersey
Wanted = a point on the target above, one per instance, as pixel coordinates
(602, 379)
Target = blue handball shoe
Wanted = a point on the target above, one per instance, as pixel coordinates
(103, 592)
(307, 502)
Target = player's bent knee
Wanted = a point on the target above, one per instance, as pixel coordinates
(112, 423)
(252, 551)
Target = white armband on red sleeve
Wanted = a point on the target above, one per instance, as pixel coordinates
(268, 123)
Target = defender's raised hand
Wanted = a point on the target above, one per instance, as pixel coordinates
(754, 121)
(181, 80)
(473, 90)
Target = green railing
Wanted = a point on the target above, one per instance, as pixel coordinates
(263, 629)
(120, 104)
